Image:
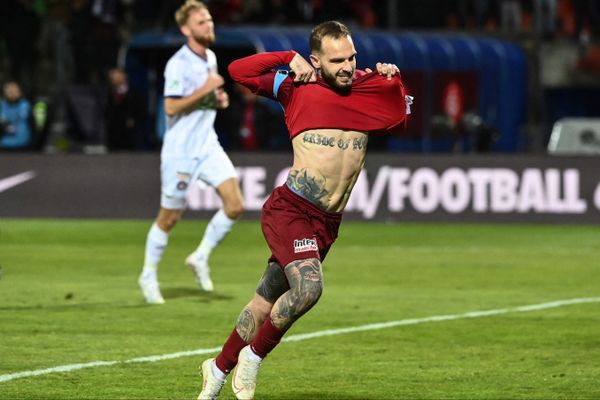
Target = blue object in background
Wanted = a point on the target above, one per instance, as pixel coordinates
(161, 119)
(15, 120)
(501, 68)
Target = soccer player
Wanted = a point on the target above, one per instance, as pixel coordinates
(330, 110)
(191, 150)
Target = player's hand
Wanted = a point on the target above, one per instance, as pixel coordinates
(385, 69)
(303, 71)
(222, 98)
(214, 81)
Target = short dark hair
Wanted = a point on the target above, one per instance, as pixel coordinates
(333, 29)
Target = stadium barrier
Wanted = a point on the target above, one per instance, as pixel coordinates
(391, 188)
(450, 74)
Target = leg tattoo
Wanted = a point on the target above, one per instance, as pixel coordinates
(306, 285)
(246, 325)
(271, 286)
(273, 283)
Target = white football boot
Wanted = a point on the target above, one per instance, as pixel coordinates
(245, 375)
(211, 385)
(149, 285)
(199, 266)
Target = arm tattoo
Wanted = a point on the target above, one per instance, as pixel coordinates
(310, 187)
(306, 286)
(246, 326)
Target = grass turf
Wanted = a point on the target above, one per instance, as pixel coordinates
(68, 295)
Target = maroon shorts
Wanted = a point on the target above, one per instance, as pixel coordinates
(295, 228)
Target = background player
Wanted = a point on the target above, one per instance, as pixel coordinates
(191, 150)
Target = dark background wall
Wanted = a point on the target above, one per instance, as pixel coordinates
(391, 188)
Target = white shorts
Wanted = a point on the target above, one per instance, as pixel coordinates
(177, 174)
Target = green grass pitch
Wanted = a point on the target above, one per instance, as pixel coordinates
(68, 295)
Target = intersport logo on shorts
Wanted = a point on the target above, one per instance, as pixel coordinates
(305, 244)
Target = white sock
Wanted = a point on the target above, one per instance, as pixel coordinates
(220, 375)
(156, 243)
(218, 227)
(251, 354)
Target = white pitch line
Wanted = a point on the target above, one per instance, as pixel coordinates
(305, 336)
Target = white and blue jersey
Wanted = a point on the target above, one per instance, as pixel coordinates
(188, 133)
(191, 149)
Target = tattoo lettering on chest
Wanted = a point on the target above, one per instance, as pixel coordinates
(310, 187)
(315, 138)
(359, 143)
(330, 141)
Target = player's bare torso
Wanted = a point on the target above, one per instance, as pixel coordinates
(327, 163)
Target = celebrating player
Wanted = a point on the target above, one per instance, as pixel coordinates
(191, 150)
(330, 109)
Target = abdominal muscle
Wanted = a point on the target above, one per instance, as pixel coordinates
(327, 163)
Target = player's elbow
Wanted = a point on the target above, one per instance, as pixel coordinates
(170, 107)
(235, 70)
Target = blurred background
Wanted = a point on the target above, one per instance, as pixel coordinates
(487, 76)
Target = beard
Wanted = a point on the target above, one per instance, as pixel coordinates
(205, 40)
(332, 80)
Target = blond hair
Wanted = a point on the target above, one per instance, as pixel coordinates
(182, 14)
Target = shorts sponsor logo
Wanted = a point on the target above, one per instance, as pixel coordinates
(183, 179)
(181, 185)
(303, 245)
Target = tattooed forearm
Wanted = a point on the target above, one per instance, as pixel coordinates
(310, 187)
(306, 286)
(246, 326)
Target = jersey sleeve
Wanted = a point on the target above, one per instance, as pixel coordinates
(174, 79)
(256, 71)
(212, 61)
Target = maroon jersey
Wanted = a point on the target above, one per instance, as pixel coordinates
(373, 104)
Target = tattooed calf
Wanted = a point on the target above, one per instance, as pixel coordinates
(246, 325)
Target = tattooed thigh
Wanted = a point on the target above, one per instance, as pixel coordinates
(305, 278)
(273, 283)
(306, 286)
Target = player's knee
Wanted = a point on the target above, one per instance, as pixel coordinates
(234, 209)
(260, 309)
(168, 222)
